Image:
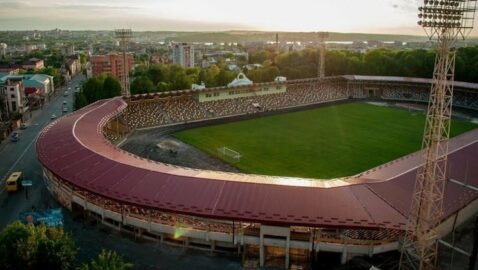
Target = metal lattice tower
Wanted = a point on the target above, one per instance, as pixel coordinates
(444, 21)
(124, 36)
(322, 49)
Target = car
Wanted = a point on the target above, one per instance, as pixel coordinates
(65, 109)
(65, 94)
(15, 137)
(64, 102)
(23, 126)
(53, 116)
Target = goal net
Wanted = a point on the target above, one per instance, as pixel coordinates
(229, 154)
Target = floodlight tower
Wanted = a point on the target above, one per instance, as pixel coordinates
(444, 21)
(124, 36)
(322, 48)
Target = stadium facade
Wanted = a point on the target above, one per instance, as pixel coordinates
(262, 217)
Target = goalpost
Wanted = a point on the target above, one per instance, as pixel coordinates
(229, 154)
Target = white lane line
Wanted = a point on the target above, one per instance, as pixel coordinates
(15, 164)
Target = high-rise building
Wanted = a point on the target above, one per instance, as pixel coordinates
(111, 63)
(183, 54)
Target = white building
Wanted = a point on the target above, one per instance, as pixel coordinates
(183, 54)
(13, 92)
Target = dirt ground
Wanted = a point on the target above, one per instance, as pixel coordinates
(144, 143)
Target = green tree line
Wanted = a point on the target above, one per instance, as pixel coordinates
(28, 247)
(157, 78)
(378, 62)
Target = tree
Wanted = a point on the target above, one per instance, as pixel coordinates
(163, 86)
(212, 73)
(55, 250)
(13, 241)
(92, 89)
(26, 247)
(181, 81)
(111, 87)
(107, 260)
(156, 74)
(80, 101)
(141, 85)
(225, 77)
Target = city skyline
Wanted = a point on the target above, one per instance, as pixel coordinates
(366, 16)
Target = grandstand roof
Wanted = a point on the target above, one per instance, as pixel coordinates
(406, 80)
(74, 149)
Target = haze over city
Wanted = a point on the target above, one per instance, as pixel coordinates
(367, 16)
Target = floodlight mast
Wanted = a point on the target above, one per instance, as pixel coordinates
(322, 49)
(124, 36)
(444, 21)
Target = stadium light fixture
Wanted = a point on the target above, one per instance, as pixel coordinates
(444, 21)
(453, 16)
(124, 36)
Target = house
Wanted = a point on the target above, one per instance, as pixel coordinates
(13, 93)
(33, 63)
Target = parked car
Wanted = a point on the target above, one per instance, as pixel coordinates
(65, 94)
(15, 137)
(53, 116)
(23, 126)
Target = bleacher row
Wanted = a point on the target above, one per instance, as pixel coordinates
(463, 99)
(187, 108)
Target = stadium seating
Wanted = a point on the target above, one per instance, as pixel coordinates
(187, 108)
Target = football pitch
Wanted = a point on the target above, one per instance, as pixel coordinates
(328, 142)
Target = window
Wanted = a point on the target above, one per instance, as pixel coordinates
(208, 95)
(14, 106)
(216, 94)
(12, 96)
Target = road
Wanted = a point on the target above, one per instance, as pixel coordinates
(21, 156)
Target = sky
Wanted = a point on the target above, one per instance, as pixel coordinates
(365, 16)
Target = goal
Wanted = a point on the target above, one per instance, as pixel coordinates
(229, 154)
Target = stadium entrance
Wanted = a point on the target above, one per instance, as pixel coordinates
(374, 92)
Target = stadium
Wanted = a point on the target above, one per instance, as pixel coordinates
(265, 218)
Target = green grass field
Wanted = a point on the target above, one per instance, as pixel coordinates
(328, 142)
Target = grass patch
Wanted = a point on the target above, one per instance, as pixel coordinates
(328, 142)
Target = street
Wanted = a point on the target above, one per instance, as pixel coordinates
(21, 156)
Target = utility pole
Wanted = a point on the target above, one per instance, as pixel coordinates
(444, 21)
